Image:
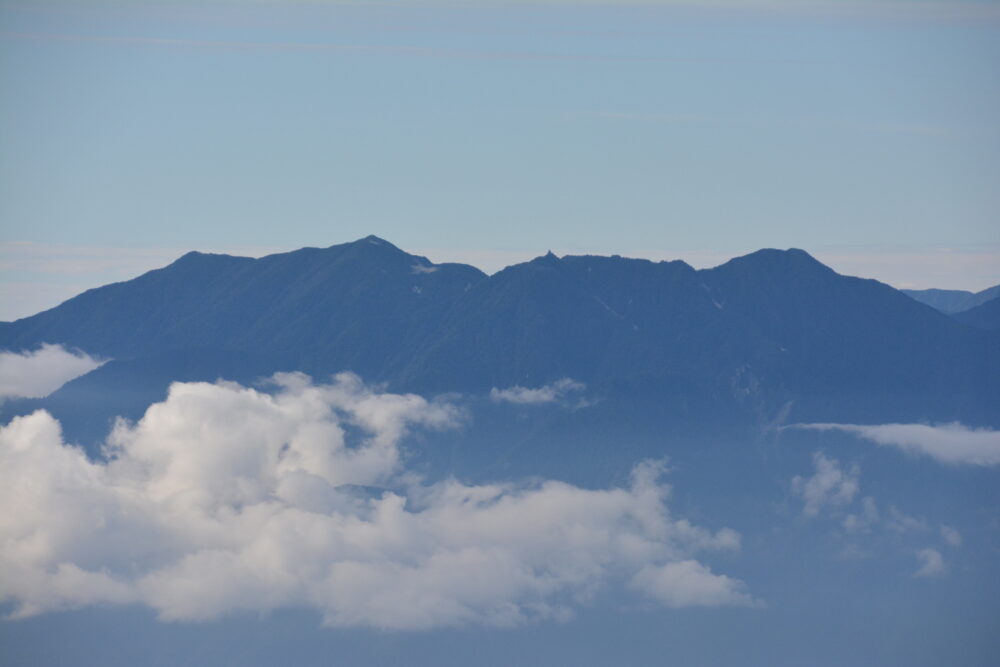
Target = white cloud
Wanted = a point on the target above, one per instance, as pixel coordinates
(550, 393)
(947, 443)
(830, 486)
(931, 563)
(40, 372)
(224, 498)
(689, 583)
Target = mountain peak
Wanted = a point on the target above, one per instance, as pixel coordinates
(195, 258)
(773, 259)
(371, 240)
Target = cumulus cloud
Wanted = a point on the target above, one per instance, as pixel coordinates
(689, 583)
(39, 373)
(947, 443)
(550, 393)
(224, 498)
(931, 563)
(829, 486)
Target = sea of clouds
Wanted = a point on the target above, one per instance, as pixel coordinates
(225, 498)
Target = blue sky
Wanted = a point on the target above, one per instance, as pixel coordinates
(865, 133)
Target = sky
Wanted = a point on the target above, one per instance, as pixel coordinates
(491, 132)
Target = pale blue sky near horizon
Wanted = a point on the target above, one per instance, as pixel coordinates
(489, 132)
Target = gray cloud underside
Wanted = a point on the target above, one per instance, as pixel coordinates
(224, 498)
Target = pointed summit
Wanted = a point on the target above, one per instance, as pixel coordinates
(370, 240)
(548, 259)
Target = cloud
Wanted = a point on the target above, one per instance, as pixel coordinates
(931, 563)
(945, 10)
(39, 373)
(864, 520)
(830, 486)
(224, 498)
(550, 393)
(358, 49)
(953, 444)
(901, 522)
(689, 583)
(951, 536)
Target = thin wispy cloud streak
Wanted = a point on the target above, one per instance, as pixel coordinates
(953, 444)
(556, 392)
(225, 498)
(373, 49)
(900, 9)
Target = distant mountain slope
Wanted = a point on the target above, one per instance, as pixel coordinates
(984, 316)
(590, 318)
(764, 329)
(360, 305)
(953, 301)
(746, 342)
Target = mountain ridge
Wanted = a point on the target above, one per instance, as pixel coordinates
(953, 301)
(746, 338)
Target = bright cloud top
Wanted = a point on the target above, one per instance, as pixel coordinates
(39, 373)
(225, 498)
(550, 393)
(948, 443)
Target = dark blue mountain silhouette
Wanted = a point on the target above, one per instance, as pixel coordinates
(769, 334)
(358, 305)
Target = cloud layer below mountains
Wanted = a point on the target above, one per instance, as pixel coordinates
(225, 498)
(947, 443)
(40, 372)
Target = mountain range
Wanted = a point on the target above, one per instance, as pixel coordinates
(773, 335)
